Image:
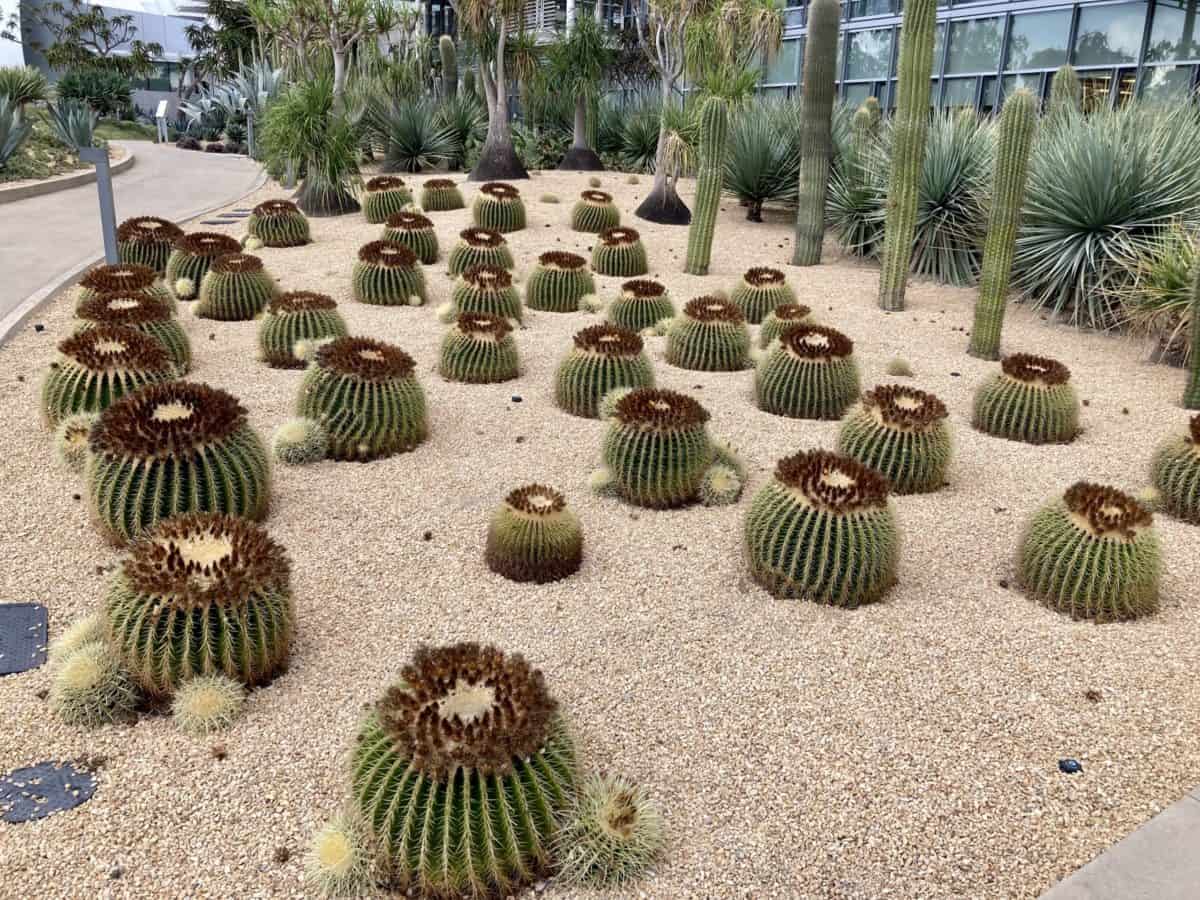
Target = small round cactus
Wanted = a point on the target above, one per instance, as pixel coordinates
(147, 241)
(619, 252)
(97, 366)
(604, 357)
(780, 319)
(611, 834)
(1092, 554)
(278, 223)
(71, 440)
(641, 304)
(300, 441)
(902, 433)
(486, 289)
(293, 317)
(90, 688)
(479, 247)
(595, 212)
(467, 742)
(123, 278)
(366, 395)
(558, 283)
(415, 232)
(141, 312)
(184, 289)
(190, 260)
(534, 537)
(207, 703)
(388, 274)
(236, 288)
(710, 336)
(759, 291)
(823, 530)
(441, 195)
(338, 863)
(1030, 399)
(201, 594)
(721, 485)
(499, 206)
(1175, 472)
(82, 631)
(385, 196)
(479, 349)
(809, 374)
(170, 449)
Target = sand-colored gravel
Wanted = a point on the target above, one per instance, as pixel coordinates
(904, 750)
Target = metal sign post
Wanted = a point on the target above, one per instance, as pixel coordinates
(108, 216)
(250, 133)
(160, 118)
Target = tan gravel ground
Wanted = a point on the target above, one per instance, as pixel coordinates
(904, 750)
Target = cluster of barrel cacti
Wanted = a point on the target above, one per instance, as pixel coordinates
(498, 206)
(278, 223)
(191, 259)
(558, 282)
(388, 274)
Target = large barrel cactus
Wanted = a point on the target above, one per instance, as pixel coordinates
(603, 357)
(236, 288)
(619, 252)
(367, 396)
(441, 195)
(385, 195)
(1175, 472)
(823, 530)
(534, 537)
(1030, 400)
(809, 374)
(486, 289)
(479, 247)
(818, 90)
(140, 312)
(201, 594)
(902, 433)
(388, 274)
(278, 223)
(780, 319)
(170, 449)
(479, 349)
(710, 336)
(191, 259)
(461, 772)
(415, 232)
(714, 134)
(594, 212)
(558, 282)
(498, 206)
(759, 291)
(147, 241)
(294, 317)
(122, 278)
(641, 304)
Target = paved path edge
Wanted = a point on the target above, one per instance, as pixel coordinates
(64, 182)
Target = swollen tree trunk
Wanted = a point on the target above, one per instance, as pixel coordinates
(318, 195)
(581, 157)
(662, 204)
(498, 160)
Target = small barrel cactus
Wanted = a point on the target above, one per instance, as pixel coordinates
(902, 433)
(595, 212)
(441, 195)
(123, 278)
(1175, 472)
(558, 283)
(479, 349)
(487, 289)
(236, 288)
(147, 241)
(780, 319)
(190, 260)
(97, 366)
(604, 357)
(366, 395)
(71, 440)
(642, 304)
(823, 530)
(388, 274)
(611, 834)
(300, 441)
(710, 336)
(140, 312)
(338, 862)
(415, 232)
(293, 317)
(479, 247)
(385, 196)
(534, 537)
(90, 688)
(759, 292)
(170, 449)
(1092, 554)
(619, 252)
(657, 448)
(201, 594)
(498, 206)
(207, 703)
(1030, 400)
(809, 374)
(278, 223)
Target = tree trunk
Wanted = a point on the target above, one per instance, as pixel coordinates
(498, 160)
(339, 82)
(662, 204)
(580, 157)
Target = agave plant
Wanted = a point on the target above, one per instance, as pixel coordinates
(639, 139)
(13, 129)
(761, 164)
(73, 123)
(465, 117)
(22, 84)
(409, 134)
(1157, 297)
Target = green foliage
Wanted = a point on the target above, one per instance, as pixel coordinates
(71, 440)
(533, 537)
(82, 35)
(73, 123)
(14, 129)
(449, 66)
(620, 252)
(714, 132)
(610, 835)
(763, 162)
(639, 139)
(299, 442)
(710, 336)
(38, 154)
(23, 84)
(147, 241)
(409, 134)
(1157, 298)
(90, 688)
(1030, 400)
(192, 257)
(236, 288)
(278, 223)
(759, 291)
(641, 304)
(207, 704)
(498, 206)
(780, 319)
(388, 274)
(223, 40)
(816, 141)
(294, 317)
(558, 282)
(106, 92)
(810, 374)
(595, 212)
(385, 196)
(901, 433)
(602, 358)
(479, 247)
(464, 117)
(479, 349)
(440, 195)
(1175, 471)
(415, 232)
(486, 289)
(147, 314)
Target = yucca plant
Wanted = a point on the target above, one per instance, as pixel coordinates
(761, 166)
(22, 84)
(72, 122)
(1156, 300)
(409, 134)
(464, 118)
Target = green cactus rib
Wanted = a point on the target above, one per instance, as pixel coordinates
(1191, 394)
(489, 290)
(714, 134)
(1175, 472)
(823, 530)
(759, 291)
(780, 319)
(1092, 554)
(911, 123)
(479, 247)
(558, 282)
(533, 537)
(619, 252)
(236, 288)
(147, 241)
(388, 274)
(194, 254)
(498, 206)
(278, 223)
(816, 138)
(293, 317)
(1029, 400)
(641, 304)
(809, 374)
(385, 196)
(710, 336)
(468, 82)
(479, 349)
(415, 232)
(449, 66)
(141, 312)
(441, 195)
(902, 434)
(602, 358)
(595, 212)
(123, 278)
(1017, 124)
(1066, 93)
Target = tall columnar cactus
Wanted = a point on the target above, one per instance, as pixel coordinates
(468, 84)
(1175, 472)
(603, 357)
(499, 206)
(236, 288)
(620, 252)
(415, 232)
(862, 129)
(441, 194)
(595, 212)
(901, 433)
(534, 537)
(294, 317)
(1066, 93)
(278, 223)
(141, 313)
(816, 139)
(1017, 124)
(388, 274)
(147, 241)
(170, 449)
(479, 349)
(479, 247)
(385, 196)
(1191, 394)
(759, 291)
(191, 259)
(910, 124)
(201, 594)
(449, 67)
(710, 336)
(875, 112)
(1030, 400)
(642, 304)
(122, 278)
(558, 282)
(486, 289)
(780, 319)
(714, 134)
(809, 374)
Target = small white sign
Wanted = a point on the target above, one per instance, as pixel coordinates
(162, 110)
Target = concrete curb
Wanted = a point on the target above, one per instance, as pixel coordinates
(64, 182)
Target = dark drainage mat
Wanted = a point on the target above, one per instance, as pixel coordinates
(233, 215)
(216, 222)
(42, 790)
(22, 637)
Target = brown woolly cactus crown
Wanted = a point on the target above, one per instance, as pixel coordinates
(616, 237)
(207, 243)
(384, 183)
(148, 230)
(164, 420)
(204, 559)
(596, 197)
(488, 277)
(408, 221)
(467, 707)
(499, 190)
(123, 308)
(559, 259)
(816, 342)
(115, 348)
(536, 500)
(792, 312)
(643, 287)
(440, 184)
(276, 208)
(298, 301)
(712, 309)
(904, 408)
(608, 340)
(366, 359)
(760, 275)
(388, 254)
(482, 325)
(837, 483)
(481, 237)
(1035, 369)
(658, 408)
(237, 263)
(1105, 511)
(116, 278)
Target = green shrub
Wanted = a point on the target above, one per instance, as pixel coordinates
(1157, 298)
(23, 84)
(534, 537)
(465, 118)
(14, 129)
(106, 92)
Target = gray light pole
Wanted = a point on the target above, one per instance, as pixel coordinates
(108, 216)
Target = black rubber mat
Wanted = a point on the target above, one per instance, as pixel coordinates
(215, 222)
(42, 790)
(22, 637)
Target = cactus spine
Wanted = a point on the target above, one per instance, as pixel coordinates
(1066, 93)
(908, 148)
(714, 131)
(1017, 124)
(1191, 394)
(449, 66)
(816, 140)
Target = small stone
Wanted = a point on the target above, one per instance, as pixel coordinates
(212, 335)
(955, 374)
(20, 378)
(427, 536)
(1004, 583)
(516, 398)
(282, 855)
(77, 496)
(116, 873)
(219, 752)
(1124, 410)
(1070, 766)
(1087, 402)
(520, 438)
(39, 327)
(1092, 695)
(42, 694)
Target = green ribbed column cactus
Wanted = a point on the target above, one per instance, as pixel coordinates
(714, 130)
(449, 66)
(873, 109)
(1017, 124)
(816, 140)
(910, 124)
(862, 127)
(1066, 93)
(1191, 395)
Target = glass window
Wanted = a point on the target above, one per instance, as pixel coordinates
(1097, 86)
(1011, 83)
(1173, 33)
(870, 53)
(855, 94)
(958, 92)
(781, 69)
(975, 45)
(870, 8)
(1039, 40)
(939, 42)
(160, 78)
(1166, 82)
(988, 97)
(1109, 34)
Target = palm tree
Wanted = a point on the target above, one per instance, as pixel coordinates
(577, 64)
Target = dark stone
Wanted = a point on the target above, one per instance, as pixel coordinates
(77, 496)
(1004, 583)
(1070, 766)
(116, 873)
(39, 327)
(282, 855)
(955, 374)
(1092, 695)
(520, 438)
(516, 398)
(427, 536)
(581, 159)
(42, 790)
(219, 752)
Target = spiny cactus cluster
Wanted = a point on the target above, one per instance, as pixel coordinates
(780, 319)
(558, 283)
(479, 247)
(595, 212)
(190, 260)
(236, 288)
(809, 374)
(603, 357)
(611, 834)
(468, 742)
(278, 223)
(300, 442)
(388, 274)
(293, 317)
(1175, 472)
(901, 433)
(1092, 554)
(206, 704)
(71, 440)
(415, 232)
(367, 396)
(90, 688)
(498, 206)
(657, 448)
(641, 304)
(170, 449)
(714, 134)
(441, 195)
(619, 252)
(385, 196)
(534, 537)
(147, 241)
(141, 312)
(823, 530)
(710, 336)
(123, 278)
(338, 862)
(759, 291)
(479, 349)
(1030, 400)
(486, 289)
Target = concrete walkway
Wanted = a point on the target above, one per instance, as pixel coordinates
(44, 240)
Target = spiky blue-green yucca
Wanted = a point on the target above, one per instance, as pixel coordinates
(479, 349)
(147, 241)
(192, 257)
(123, 278)
(170, 449)
(415, 232)
(498, 206)
(385, 196)
(710, 336)
(1092, 554)
(823, 530)
(642, 304)
(143, 313)
(816, 138)
(293, 317)
(759, 291)
(388, 274)
(1029, 400)
(236, 288)
(1175, 471)
(460, 771)
(714, 133)
(441, 195)
(595, 212)
(533, 537)
(620, 252)
(809, 374)
(901, 433)
(558, 282)
(603, 357)
(278, 223)
(479, 247)
(780, 319)
(367, 396)
(486, 289)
